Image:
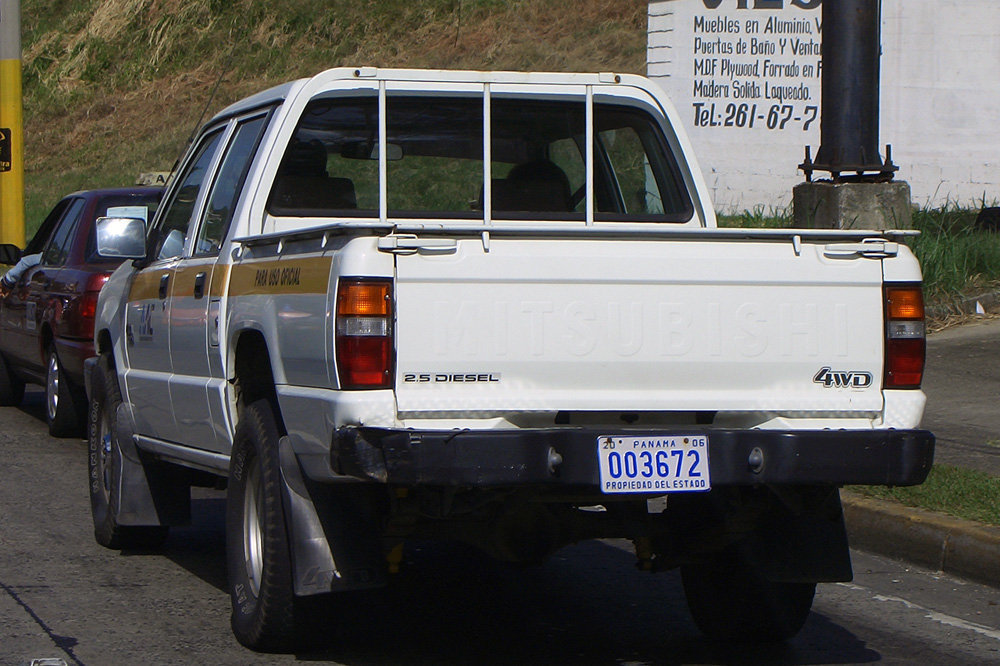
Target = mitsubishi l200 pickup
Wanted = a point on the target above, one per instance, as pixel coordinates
(384, 305)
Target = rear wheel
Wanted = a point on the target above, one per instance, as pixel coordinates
(730, 601)
(62, 401)
(257, 552)
(11, 386)
(105, 464)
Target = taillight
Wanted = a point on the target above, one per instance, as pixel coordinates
(364, 343)
(88, 306)
(82, 324)
(905, 336)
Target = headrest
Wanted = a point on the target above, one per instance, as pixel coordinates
(304, 158)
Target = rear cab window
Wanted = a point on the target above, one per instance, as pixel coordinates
(450, 155)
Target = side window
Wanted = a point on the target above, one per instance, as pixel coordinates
(627, 159)
(176, 220)
(57, 251)
(641, 174)
(331, 164)
(45, 229)
(228, 184)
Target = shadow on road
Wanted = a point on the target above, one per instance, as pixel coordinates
(201, 546)
(587, 604)
(33, 403)
(449, 605)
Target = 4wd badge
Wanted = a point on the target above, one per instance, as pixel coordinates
(855, 379)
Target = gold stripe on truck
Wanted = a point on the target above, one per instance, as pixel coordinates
(289, 276)
(186, 274)
(220, 277)
(146, 285)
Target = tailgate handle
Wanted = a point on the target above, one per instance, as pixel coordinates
(410, 244)
(875, 249)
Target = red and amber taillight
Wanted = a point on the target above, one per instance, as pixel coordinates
(82, 324)
(905, 336)
(364, 342)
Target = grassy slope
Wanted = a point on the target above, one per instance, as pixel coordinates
(115, 87)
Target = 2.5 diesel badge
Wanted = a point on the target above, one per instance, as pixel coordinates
(451, 378)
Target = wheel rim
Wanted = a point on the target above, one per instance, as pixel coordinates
(253, 541)
(52, 387)
(104, 457)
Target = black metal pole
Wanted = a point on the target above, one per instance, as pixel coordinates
(849, 133)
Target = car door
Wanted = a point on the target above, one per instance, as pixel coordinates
(42, 301)
(48, 288)
(147, 315)
(198, 381)
(16, 339)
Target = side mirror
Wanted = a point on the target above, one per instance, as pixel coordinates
(121, 237)
(9, 254)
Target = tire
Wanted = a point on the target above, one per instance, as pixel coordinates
(104, 466)
(730, 601)
(257, 552)
(11, 386)
(62, 401)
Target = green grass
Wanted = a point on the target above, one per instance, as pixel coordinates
(758, 217)
(114, 87)
(955, 257)
(963, 493)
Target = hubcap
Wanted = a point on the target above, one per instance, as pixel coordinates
(253, 538)
(104, 457)
(52, 387)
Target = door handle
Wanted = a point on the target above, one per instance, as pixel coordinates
(199, 285)
(164, 283)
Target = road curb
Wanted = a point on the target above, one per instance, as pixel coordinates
(933, 540)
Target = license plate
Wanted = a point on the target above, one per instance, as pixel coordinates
(653, 464)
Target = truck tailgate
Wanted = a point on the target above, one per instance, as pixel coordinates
(666, 324)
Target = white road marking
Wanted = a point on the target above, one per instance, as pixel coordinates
(932, 615)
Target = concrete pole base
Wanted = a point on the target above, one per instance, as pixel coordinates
(825, 205)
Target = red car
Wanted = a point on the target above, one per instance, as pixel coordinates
(47, 311)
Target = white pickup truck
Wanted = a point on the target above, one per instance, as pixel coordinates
(385, 305)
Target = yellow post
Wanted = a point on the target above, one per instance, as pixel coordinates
(11, 126)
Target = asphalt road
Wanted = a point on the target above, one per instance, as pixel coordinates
(63, 596)
(962, 382)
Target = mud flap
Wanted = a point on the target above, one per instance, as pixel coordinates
(804, 545)
(336, 548)
(145, 498)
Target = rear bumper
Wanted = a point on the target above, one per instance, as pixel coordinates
(568, 457)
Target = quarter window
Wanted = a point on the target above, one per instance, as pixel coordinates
(643, 181)
(331, 163)
(58, 249)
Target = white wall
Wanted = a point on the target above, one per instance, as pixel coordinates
(940, 94)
